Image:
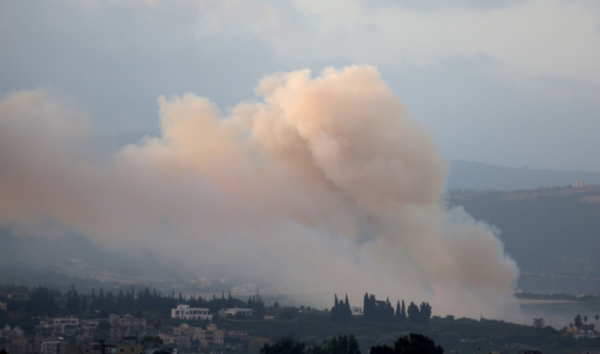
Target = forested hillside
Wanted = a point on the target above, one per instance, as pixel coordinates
(480, 176)
(552, 233)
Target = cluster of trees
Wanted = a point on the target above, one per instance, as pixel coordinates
(376, 310)
(341, 310)
(215, 304)
(419, 314)
(44, 300)
(74, 301)
(581, 322)
(147, 301)
(342, 344)
(347, 344)
(414, 343)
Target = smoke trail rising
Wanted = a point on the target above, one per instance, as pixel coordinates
(322, 185)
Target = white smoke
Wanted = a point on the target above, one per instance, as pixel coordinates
(323, 185)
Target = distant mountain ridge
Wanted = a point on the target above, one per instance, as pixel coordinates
(468, 175)
(551, 232)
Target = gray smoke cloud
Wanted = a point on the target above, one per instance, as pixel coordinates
(320, 185)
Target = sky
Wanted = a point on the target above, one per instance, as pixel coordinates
(510, 83)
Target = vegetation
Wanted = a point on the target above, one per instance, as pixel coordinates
(341, 310)
(550, 232)
(413, 344)
(347, 344)
(378, 327)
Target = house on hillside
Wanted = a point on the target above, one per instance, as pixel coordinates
(236, 311)
(185, 312)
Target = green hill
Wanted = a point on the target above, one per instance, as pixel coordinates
(552, 233)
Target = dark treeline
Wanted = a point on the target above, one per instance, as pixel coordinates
(147, 300)
(341, 310)
(44, 300)
(376, 310)
(412, 344)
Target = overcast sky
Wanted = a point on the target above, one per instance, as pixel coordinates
(516, 84)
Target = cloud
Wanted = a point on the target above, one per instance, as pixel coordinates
(323, 184)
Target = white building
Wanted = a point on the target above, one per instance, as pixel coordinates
(356, 311)
(236, 310)
(185, 312)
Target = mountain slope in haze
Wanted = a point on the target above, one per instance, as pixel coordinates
(467, 175)
(552, 233)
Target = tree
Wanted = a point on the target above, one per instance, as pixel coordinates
(538, 323)
(399, 312)
(93, 300)
(577, 322)
(597, 317)
(341, 310)
(256, 303)
(347, 311)
(424, 312)
(381, 350)
(403, 311)
(413, 313)
(256, 343)
(341, 344)
(100, 302)
(335, 309)
(41, 300)
(284, 346)
(84, 304)
(288, 312)
(414, 343)
(585, 319)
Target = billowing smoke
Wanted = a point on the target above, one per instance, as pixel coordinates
(321, 185)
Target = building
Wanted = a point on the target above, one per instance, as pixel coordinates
(184, 330)
(49, 345)
(166, 338)
(184, 312)
(356, 310)
(19, 297)
(236, 312)
(7, 333)
(87, 330)
(182, 341)
(210, 336)
(118, 331)
(19, 346)
(56, 326)
(52, 347)
(125, 326)
(579, 184)
(237, 334)
(3, 306)
(66, 325)
(130, 349)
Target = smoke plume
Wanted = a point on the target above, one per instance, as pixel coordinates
(320, 185)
